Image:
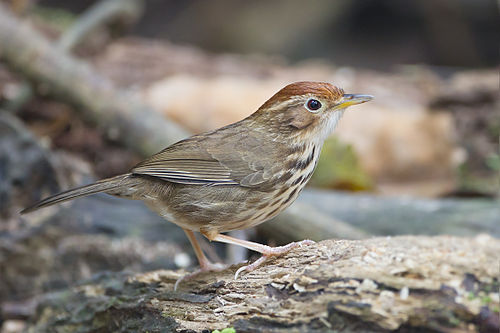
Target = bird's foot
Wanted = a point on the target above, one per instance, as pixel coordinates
(206, 267)
(272, 252)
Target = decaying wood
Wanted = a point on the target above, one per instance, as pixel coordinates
(125, 117)
(381, 284)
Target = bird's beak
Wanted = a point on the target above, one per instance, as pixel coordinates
(353, 99)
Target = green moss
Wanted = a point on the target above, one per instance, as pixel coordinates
(226, 330)
(339, 168)
(454, 321)
(485, 300)
(493, 162)
(487, 183)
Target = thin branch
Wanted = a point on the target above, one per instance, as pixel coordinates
(97, 15)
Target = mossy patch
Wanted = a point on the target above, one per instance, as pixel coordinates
(225, 330)
(339, 168)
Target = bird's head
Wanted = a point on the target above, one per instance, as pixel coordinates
(306, 109)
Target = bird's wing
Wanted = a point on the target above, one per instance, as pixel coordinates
(217, 158)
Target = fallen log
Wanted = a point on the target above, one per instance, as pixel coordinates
(437, 284)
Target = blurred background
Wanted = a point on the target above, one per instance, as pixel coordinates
(89, 88)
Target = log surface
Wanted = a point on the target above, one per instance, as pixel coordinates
(380, 284)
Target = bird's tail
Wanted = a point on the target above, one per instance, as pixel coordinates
(109, 184)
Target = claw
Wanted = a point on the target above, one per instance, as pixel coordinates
(305, 242)
(251, 267)
(273, 251)
(267, 252)
(208, 267)
(241, 269)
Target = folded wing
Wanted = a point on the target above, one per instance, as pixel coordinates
(221, 158)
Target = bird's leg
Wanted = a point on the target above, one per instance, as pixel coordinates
(266, 251)
(205, 264)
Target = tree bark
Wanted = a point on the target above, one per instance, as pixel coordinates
(438, 284)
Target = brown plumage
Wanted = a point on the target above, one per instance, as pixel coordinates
(239, 175)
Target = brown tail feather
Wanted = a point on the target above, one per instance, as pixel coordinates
(100, 186)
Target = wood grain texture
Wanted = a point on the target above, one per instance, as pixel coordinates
(437, 284)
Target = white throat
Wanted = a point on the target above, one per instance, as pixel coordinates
(330, 124)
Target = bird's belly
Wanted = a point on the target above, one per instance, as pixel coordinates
(208, 208)
(170, 215)
(255, 212)
(214, 208)
(223, 208)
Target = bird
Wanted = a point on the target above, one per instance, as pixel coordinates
(237, 176)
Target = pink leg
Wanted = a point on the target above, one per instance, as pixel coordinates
(202, 259)
(267, 251)
(205, 264)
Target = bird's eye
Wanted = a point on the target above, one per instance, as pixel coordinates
(313, 105)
